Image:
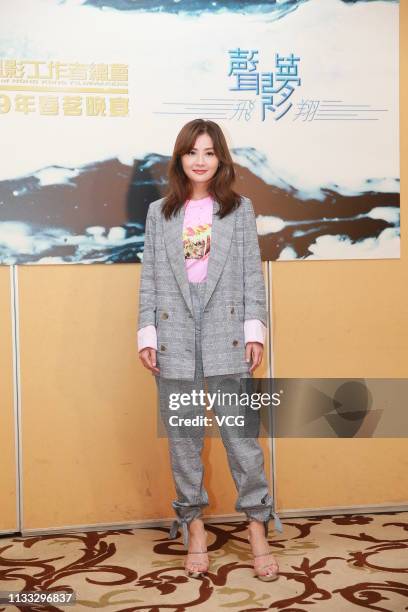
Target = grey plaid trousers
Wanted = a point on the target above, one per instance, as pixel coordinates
(245, 456)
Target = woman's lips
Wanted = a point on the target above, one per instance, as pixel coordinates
(200, 171)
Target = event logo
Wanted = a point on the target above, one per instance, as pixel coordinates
(68, 89)
(275, 88)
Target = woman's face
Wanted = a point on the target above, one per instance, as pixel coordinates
(200, 164)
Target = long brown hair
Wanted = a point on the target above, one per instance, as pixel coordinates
(220, 187)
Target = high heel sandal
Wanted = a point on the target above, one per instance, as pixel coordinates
(268, 577)
(196, 573)
(191, 571)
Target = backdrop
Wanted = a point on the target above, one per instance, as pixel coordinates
(94, 92)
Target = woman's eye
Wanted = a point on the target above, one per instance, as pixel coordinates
(208, 153)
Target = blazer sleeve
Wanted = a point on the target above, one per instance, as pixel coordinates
(147, 292)
(254, 284)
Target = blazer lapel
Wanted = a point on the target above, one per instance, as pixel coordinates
(173, 240)
(221, 235)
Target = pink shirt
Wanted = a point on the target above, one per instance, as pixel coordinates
(197, 237)
(197, 246)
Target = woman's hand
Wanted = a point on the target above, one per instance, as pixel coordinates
(254, 353)
(148, 358)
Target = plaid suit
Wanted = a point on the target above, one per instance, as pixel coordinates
(200, 335)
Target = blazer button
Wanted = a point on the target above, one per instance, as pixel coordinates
(162, 347)
(165, 315)
(232, 310)
(235, 343)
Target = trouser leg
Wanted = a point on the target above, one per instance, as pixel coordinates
(245, 455)
(186, 442)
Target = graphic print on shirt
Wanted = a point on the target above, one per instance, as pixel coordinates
(197, 241)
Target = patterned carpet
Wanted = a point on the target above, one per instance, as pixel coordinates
(337, 563)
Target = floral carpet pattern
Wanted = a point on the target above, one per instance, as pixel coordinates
(342, 563)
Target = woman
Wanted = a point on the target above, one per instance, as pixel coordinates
(202, 317)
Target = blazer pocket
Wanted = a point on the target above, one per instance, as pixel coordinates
(171, 317)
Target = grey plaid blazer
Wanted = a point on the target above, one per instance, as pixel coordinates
(235, 292)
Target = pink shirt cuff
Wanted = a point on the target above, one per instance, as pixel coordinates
(254, 331)
(147, 337)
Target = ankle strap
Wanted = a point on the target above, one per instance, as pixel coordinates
(197, 552)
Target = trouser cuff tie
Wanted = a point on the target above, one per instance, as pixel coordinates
(278, 524)
(264, 513)
(185, 514)
(183, 523)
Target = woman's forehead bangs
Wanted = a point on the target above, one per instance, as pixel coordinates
(188, 140)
